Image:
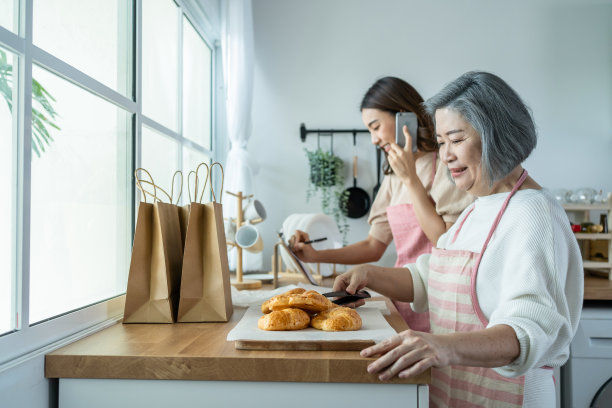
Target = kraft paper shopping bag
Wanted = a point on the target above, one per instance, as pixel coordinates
(157, 257)
(205, 281)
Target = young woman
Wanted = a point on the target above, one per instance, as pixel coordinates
(417, 202)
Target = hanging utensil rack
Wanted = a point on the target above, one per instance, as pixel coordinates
(328, 132)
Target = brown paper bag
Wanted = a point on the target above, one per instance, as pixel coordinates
(155, 268)
(205, 281)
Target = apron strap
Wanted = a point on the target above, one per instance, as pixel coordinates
(477, 309)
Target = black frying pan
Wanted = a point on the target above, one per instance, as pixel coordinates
(358, 201)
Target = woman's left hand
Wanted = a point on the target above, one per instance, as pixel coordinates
(402, 160)
(407, 354)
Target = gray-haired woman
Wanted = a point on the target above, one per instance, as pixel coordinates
(504, 285)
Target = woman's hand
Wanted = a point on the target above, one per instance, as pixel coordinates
(407, 354)
(402, 160)
(305, 252)
(352, 281)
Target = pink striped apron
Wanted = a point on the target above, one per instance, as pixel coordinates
(410, 242)
(453, 307)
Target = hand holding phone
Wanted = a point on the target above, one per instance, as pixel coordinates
(410, 120)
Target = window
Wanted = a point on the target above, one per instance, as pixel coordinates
(191, 160)
(92, 37)
(160, 31)
(7, 175)
(99, 99)
(80, 209)
(197, 59)
(8, 14)
(160, 157)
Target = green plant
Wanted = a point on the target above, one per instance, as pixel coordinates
(40, 119)
(327, 178)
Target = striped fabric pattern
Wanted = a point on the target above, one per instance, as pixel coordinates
(451, 309)
(410, 242)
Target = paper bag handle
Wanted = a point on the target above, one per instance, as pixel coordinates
(211, 182)
(197, 181)
(189, 184)
(138, 180)
(157, 188)
(172, 190)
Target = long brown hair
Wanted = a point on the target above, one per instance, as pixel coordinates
(391, 94)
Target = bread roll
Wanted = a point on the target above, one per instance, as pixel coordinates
(337, 319)
(265, 306)
(310, 301)
(286, 319)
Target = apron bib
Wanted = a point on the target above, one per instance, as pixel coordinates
(410, 243)
(453, 307)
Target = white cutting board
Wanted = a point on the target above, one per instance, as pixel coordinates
(248, 336)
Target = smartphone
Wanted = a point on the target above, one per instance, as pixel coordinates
(409, 119)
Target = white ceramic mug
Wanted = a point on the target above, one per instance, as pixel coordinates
(253, 210)
(248, 238)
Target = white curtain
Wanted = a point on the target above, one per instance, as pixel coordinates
(238, 61)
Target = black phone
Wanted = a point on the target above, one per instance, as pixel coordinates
(409, 119)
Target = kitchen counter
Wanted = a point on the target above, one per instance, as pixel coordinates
(597, 287)
(176, 354)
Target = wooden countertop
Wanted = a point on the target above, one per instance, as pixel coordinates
(597, 287)
(199, 351)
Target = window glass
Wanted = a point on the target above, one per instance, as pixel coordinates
(160, 62)
(197, 61)
(79, 234)
(91, 35)
(191, 160)
(7, 174)
(160, 159)
(8, 16)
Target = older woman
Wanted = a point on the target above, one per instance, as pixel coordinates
(504, 285)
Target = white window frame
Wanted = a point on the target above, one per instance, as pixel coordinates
(31, 341)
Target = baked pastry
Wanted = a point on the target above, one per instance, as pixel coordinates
(337, 319)
(310, 301)
(265, 306)
(286, 319)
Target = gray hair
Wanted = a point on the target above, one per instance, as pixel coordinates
(497, 113)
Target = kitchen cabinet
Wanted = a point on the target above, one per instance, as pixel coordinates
(192, 364)
(582, 213)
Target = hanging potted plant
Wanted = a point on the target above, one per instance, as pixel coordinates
(326, 177)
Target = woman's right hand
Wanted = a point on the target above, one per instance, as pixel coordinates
(402, 159)
(305, 252)
(352, 281)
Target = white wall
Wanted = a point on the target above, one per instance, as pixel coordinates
(315, 59)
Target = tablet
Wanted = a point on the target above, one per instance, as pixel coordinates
(296, 264)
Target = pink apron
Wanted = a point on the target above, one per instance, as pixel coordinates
(410, 242)
(453, 307)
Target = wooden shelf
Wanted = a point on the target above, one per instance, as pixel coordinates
(587, 207)
(589, 246)
(600, 235)
(596, 265)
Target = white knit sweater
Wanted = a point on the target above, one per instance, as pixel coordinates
(530, 278)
